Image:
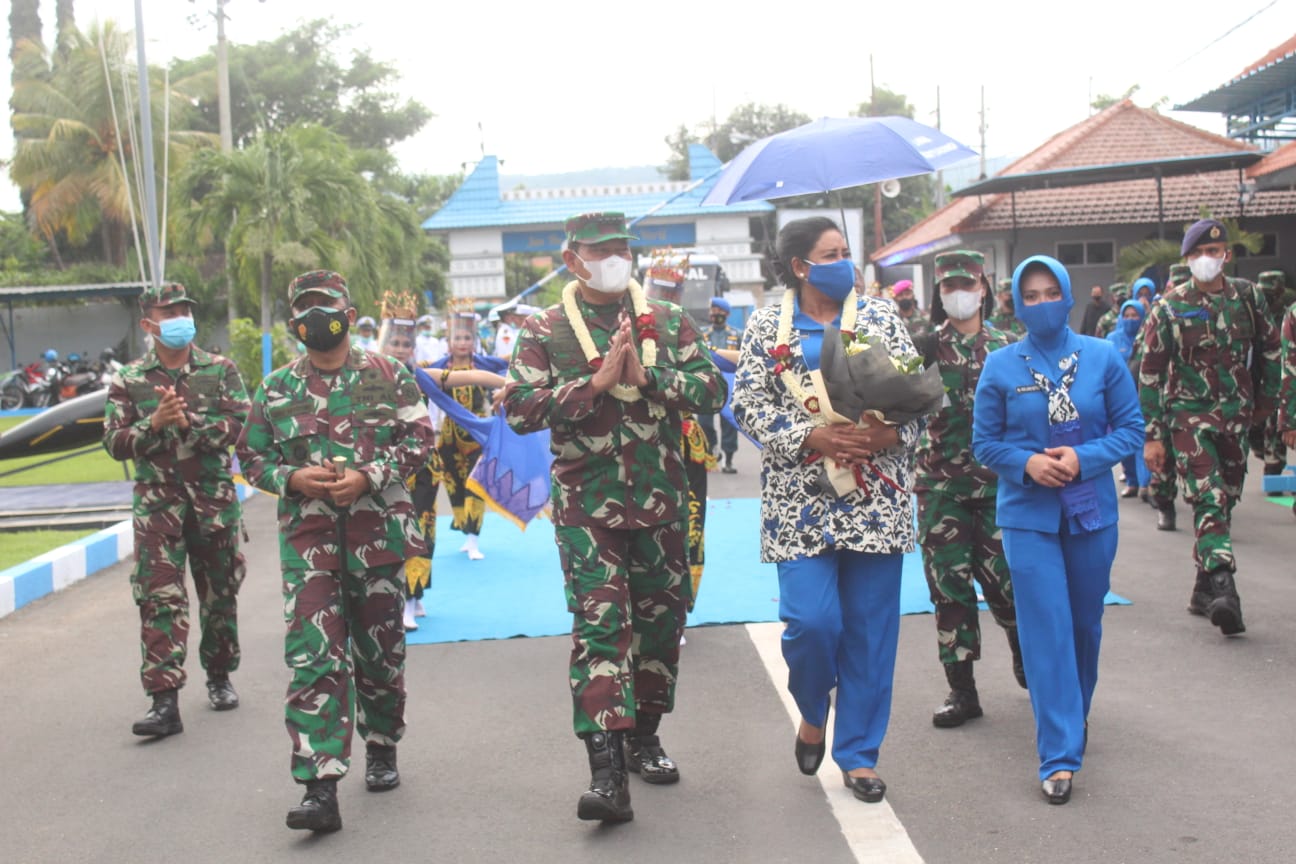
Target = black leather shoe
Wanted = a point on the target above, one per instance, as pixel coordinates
(959, 707)
(870, 789)
(220, 692)
(608, 796)
(644, 756)
(810, 756)
(380, 768)
(318, 810)
(1057, 791)
(1201, 596)
(1166, 518)
(162, 719)
(1225, 609)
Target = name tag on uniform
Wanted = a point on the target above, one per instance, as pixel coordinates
(1029, 388)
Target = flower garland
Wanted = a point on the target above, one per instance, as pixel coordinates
(644, 324)
(782, 350)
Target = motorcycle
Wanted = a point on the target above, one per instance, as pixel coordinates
(25, 388)
(75, 378)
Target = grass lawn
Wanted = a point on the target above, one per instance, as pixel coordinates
(92, 467)
(19, 546)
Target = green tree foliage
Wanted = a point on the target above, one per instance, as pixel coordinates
(64, 23)
(1103, 101)
(1134, 259)
(745, 124)
(67, 158)
(520, 273)
(297, 79)
(245, 349)
(19, 250)
(885, 103)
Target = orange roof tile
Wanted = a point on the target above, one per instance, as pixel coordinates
(1283, 157)
(1273, 56)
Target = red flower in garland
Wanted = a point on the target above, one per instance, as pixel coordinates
(596, 364)
(781, 353)
(812, 404)
(648, 333)
(645, 322)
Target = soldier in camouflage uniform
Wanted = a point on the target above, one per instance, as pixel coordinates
(1196, 392)
(1004, 319)
(960, 542)
(1107, 323)
(611, 377)
(334, 434)
(176, 412)
(1287, 390)
(1162, 487)
(1265, 437)
(915, 321)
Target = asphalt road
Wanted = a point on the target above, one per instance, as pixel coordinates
(1190, 754)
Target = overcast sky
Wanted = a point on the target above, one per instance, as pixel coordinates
(566, 87)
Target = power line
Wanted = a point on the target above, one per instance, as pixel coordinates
(1220, 37)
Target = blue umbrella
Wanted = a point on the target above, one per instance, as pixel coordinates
(835, 153)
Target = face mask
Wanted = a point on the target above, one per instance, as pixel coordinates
(321, 328)
(1044, 319)
(836, 280)
(961, 305)
(1130, 325)
(609, 276)
(906, 305)
(1205, 268)
(176, 332)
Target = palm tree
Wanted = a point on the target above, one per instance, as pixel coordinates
(290, 201)
(70, 115)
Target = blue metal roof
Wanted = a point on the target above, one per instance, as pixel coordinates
(478, 204)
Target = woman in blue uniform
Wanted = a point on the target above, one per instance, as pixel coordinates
(1053, 414)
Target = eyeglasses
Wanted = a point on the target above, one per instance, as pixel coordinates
(400, 343)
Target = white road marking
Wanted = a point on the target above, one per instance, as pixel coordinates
(872, 831)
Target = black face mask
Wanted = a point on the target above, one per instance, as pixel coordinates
(905, 305)
(320, 328)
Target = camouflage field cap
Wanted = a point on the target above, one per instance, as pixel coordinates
(1179, 273)
(324, 282)
(961, 262)
(1203, 231)
(1271, 279)
(1119, 290)
(166, 294)
(597, 227)
(1005, 285)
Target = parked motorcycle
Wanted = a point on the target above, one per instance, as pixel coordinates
(24, 388)
(30, 387)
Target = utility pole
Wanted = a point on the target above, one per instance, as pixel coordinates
(222, 80)
(983, 131)
(940, 175)
(149, 170)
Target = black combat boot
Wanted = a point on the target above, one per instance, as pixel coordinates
(962, 704)
(608, 797)
(318, 810)
(1019, 671)
(163, 718)
(728, 466)
(220, 692)
(1202, 593)
(1225, 608)
(1166, 517)
(380, 767)
(644, 753)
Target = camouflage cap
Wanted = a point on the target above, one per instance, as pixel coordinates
(1119, 290)
(597, 227)
(166, 294)
(1179, 273)
(961, 262)
(1272, 279)
(324, 282)
(1203, 231)
(1005, 285)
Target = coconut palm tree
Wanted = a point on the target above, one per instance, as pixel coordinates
(74, 128)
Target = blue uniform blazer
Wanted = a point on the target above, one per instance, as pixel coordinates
(1010, 424)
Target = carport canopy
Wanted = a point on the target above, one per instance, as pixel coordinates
(26, 295)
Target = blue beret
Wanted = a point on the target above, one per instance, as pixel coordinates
(720, 303)
(1203, 231)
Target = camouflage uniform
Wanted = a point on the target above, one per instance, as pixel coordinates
(1287, 392)
(1265, 436)
(184, 504)
(724, 338)
(371, 413)
(956, 505)
(918, 324)
(1107, 322)
(619, 501)
(1195, 389)
(1007, 323)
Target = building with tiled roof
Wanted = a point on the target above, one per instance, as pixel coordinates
(1086, 226)
(482, 223)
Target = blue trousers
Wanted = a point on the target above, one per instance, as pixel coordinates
(1059, 583)
(842, 611)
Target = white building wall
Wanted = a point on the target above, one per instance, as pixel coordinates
(729, 238)
(477, 263)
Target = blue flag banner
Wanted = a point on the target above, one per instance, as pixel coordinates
(512, 475)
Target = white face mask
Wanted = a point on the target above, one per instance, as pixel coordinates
(961, 305)
(1205, 268)
(609, 276)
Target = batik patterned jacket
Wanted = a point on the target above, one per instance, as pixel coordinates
(372, 414)
(798, 518)
(617, 464)
(1194, 369)
(178, 469)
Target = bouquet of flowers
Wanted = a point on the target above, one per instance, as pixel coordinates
(858, 377)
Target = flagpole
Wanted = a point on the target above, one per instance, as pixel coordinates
(146, 132)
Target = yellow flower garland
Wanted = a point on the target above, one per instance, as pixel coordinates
(639, 303)
(790, 379)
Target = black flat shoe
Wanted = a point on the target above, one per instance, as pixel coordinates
(870, 789)
(810, 756)
(1057, 791)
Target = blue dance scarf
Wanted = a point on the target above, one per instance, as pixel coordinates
(1079, 497)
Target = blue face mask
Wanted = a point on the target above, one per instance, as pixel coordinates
(836, 280)
(1130, 325)
(1044, 319)
(177, 332)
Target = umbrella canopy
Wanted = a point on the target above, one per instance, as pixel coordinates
(835, 153)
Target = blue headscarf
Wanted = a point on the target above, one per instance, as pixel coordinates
(1046, 323)
(1126, 330)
